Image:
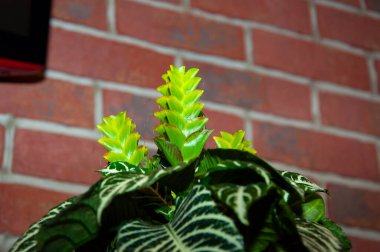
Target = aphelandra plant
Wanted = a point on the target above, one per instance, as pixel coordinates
(185, 197)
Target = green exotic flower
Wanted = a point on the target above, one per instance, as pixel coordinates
(121, 140)
(182, 132)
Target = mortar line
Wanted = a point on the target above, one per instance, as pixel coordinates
(56, 128)
(361, 233)
(363, 5)
(330, 87)
(314, 20)
(161, 5)
(144, 92)
(372, 75)
(98, 104)
(248, 128)
(347, 8)
(6, 241)
(315, 106)
(111, 14)
(186, 4)
(248, 42)
(340, 45)
(79, 80)
(44, 183)
(178, 60)
(10, 131)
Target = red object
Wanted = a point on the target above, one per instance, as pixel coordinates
(11, 68)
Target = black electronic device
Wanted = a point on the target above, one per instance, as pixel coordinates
(24, 29)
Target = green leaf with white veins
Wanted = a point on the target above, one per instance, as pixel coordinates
(316, 237)
(240, 197)
(28, 242)
(302, 182)
(197, 225)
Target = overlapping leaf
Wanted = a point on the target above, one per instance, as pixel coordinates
(316, 237)
(197, 225)
(302, 182)
(240, 197)
(28, 241)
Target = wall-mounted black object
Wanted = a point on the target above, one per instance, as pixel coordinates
(24, 28)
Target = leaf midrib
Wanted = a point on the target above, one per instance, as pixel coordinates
(182, 247)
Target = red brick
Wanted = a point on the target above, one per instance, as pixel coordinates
(354, 206)
(21, 206)
(180, 30)
(139, 109)
(372, 5)
(353, 29)
(2, 143)
(359, 245)
(316, 151)
(310, 59)
(350, 113)
(86, 12)
(377, 66)
(275, 12)
(109, 60)
(57, 157)
(254, 91)
(219, 121)
(50, 100)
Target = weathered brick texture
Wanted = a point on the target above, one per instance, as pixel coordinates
(275, 12)
(354, 206)
(51, 100)
(254, 91)
(317, 151)
(356, 30)
(89, 56)
(179, 30)
(57, 157)
(92, 13)
(310, 59)
(350, 113)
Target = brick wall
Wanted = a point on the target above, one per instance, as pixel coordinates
(302, 77)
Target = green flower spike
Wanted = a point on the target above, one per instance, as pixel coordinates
(182, 132)
(235, 141)
(120, 140)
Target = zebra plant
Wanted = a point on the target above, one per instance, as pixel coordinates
(185, 197)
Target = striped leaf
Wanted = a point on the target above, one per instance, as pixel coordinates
(240, 197)
(175, 178)
(28, 242)
(302, 182)
(120, 166)
(197, 225)
(316, 237)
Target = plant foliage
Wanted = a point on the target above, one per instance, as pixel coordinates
(186, 198)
